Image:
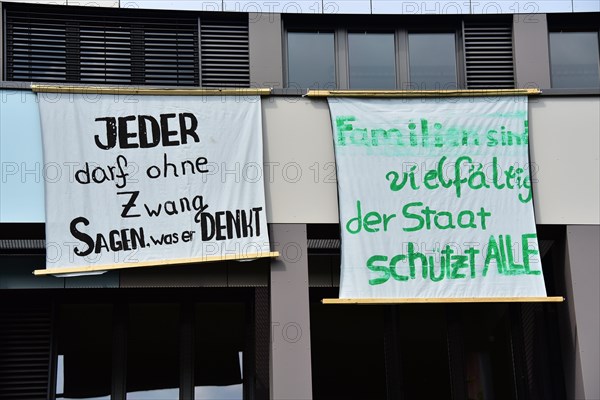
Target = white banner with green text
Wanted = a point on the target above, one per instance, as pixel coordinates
(435, 198)
(152, 179)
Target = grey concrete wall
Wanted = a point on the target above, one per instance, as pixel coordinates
(532, 61)
(582, 270)
(565, 156)
(266, 59)
(565, 160)
(291, 376)
(299, 167)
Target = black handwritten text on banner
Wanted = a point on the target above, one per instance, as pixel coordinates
(138, 180)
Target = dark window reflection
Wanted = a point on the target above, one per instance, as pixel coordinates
(311, 60)
(488, 352)
(84, 352)
(153, 352)
(432, 61)
(574, 59)
(423, 347)
(219, 351)
(347, 351)
(371, 59)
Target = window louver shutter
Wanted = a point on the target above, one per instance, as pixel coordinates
(225, 53)
(25, 351)
(36, 48)
(101, 47)
(488, 49)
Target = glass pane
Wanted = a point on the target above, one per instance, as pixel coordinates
(153, 352)
(372, 61)
(424, 351)
(348, 358)
(488, 352)
(84, 352)
(432, 61)
(311, 60)
(574, 60)
(219, 351)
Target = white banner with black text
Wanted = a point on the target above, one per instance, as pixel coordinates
(140, 179)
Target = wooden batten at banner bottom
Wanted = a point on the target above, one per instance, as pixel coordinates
(156, 263)
(433, 300)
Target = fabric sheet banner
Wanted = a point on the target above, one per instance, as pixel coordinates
(435, 198)
(149, 178)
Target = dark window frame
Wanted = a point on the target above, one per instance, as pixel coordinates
(575, 23)
(402, 26)
(592, 31)
(140, 29)
(186, 299)
(458, 58)
(286, 55)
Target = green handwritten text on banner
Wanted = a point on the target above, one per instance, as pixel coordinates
(435, 198)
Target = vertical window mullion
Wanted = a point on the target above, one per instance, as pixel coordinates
(186, 391)
(261, 326)
(53, 350)
(402, 58)
(461, 69)
(456, 351)
(119, 351)
(249, 350)
(463, 57)
(341, 59)
(393, 363)
(521, 383)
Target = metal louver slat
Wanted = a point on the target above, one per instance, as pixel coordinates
(25, 351)
(488, 51)
(225, 53)
(101, 46)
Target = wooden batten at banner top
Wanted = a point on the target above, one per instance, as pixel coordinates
(424, 93)
(156, 263)
(439, 300)
(128, 90)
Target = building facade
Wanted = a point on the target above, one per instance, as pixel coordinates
(258, 330)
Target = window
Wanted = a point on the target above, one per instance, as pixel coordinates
(83, 371)
(432, 61)
(137, 349)
(574, 44)
(347, 350)
(220, 351)
(311, 62)
(118, 46)
(422, 53)
(574, 60)
(371, 60)
(153, 366)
